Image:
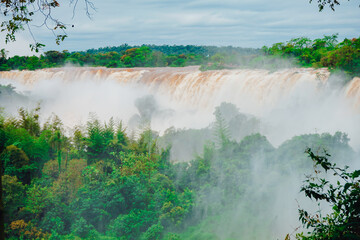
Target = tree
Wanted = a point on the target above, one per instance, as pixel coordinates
(16, 163)
(343, 197)
(13, 197)
(3, 56)
(3, 53)
(20, 13)
(137, 57)
(221, 129)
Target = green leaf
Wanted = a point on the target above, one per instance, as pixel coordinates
(356, 174)
(346, 186)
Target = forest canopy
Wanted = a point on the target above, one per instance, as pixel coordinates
(100, 183)
(302, 52)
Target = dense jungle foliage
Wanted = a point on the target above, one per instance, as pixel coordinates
(321, 52)
(97, 182)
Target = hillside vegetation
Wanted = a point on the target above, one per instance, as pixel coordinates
(99, 183)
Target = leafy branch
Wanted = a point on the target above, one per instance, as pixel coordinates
(343, 197)
(331, 3)
(20, 13)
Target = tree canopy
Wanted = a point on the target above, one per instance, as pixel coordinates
(100, 183)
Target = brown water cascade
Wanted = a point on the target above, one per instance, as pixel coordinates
(283, 104)
(275, 96)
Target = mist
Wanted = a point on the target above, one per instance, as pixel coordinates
(183, 106)
(286, 102)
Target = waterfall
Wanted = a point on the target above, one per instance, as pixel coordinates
(289, 101)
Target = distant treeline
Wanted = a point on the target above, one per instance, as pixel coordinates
(127, 56)
(179, 49)
(321, 52)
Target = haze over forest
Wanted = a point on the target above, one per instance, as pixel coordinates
(194, 120)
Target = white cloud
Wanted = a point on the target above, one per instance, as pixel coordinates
(247, 23)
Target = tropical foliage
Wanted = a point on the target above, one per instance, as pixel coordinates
(321, 52)
(343, 196)
(99, 183)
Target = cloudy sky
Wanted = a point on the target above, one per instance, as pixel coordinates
(245, 23)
